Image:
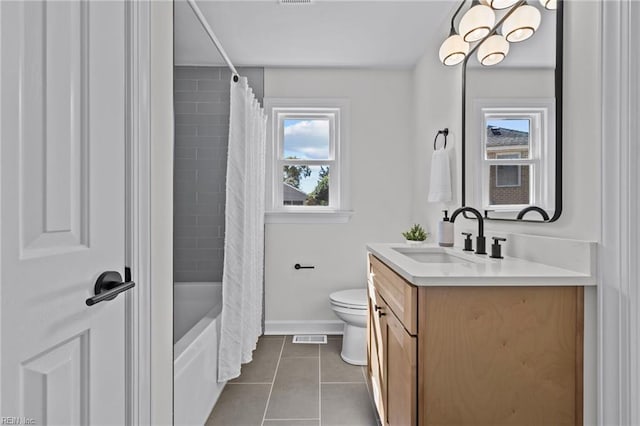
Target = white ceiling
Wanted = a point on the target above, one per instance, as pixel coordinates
(326, 33)
(333, 33)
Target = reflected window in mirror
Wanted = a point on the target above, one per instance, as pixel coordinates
(514, 155)
(506, 144)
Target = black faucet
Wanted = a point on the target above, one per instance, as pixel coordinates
(481, 241)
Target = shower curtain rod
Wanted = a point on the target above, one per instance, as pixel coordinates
(212, 36)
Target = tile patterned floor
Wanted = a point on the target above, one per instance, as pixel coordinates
(290, 384)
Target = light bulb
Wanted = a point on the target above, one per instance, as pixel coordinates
(493, 50)
(521, 24)
(453, 50)
(476, 22)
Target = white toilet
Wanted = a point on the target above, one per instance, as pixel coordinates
(351, 307)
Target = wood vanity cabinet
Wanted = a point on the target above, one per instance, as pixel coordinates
(482, 355)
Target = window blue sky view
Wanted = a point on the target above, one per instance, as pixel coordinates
(306, 139)
(513, 124)
(309, 140)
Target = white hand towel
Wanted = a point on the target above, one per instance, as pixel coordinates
(440, 184)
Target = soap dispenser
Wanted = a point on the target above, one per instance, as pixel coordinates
(445, 231)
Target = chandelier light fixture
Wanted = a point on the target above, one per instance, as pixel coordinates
(454, 49)
(549, 4)
(499, 4)
(519, 21)
(493, 50)
(521, 24)
(477, 22)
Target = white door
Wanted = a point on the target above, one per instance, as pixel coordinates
(62, 198)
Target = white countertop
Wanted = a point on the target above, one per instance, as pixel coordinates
(475, 270)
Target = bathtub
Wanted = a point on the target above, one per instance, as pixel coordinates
(196, 330)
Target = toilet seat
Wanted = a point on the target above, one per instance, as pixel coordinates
(350, 299)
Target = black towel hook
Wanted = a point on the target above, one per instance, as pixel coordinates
(444, 132)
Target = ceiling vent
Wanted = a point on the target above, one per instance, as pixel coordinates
(295, 1)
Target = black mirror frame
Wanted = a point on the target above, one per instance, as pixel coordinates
(559, 129)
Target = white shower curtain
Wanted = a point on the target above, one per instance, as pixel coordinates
(242, 280)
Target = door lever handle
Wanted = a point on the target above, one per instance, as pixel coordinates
(108, 285)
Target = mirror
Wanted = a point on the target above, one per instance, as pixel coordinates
(512, 120)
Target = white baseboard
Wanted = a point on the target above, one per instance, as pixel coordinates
(303, 327)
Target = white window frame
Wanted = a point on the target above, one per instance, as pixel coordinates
(336, 111)
(541, 113)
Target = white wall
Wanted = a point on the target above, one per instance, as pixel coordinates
(437, 104)
(381, 148)
(509, 83)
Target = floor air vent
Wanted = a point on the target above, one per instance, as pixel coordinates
(296, 1)
(310, 339)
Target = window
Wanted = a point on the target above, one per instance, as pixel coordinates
(307, 160)
(510, 146)
(513, 154)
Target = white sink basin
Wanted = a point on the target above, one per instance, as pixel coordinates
(432, 255)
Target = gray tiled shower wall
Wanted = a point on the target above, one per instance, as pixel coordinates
(201, 96)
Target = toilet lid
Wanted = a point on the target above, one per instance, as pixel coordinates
(356, 299)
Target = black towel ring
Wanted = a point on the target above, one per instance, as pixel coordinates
(444, 132)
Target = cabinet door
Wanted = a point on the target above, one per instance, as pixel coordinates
(501, 356)
(400, 372)
(398, 294)
(375, 344)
